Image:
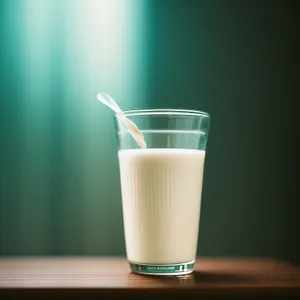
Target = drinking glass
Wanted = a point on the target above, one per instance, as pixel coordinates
(161, 188)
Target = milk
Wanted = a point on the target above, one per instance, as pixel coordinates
(161, 196)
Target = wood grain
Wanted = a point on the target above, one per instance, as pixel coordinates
(92, 276)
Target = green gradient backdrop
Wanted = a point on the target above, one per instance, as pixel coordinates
(60, 191)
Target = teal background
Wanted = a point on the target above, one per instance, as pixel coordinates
(60, 190)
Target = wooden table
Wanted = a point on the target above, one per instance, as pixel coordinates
(91, 277)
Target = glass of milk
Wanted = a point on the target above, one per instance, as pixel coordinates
(161, 188)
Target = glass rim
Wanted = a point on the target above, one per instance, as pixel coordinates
(165, 111)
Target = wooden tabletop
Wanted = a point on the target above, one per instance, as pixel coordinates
(95, 276)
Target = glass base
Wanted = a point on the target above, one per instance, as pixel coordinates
(163, 270)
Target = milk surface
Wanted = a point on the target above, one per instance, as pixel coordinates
(161, 197)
